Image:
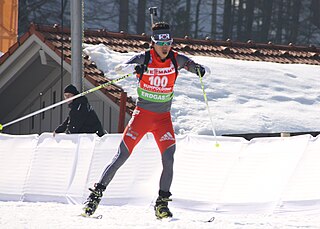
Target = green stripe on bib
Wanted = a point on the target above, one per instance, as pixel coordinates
(154, 96)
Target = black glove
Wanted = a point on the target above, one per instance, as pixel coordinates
(200, 69)
(140, 69)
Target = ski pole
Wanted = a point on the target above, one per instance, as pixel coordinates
(206, 101)
(66, 100)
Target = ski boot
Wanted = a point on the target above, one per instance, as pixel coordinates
(161, 206)
(94, 199)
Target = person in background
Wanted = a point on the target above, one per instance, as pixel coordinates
(156, 72)
(82, 118)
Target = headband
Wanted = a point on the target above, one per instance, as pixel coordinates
(161, 35)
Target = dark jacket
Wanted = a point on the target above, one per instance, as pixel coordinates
(82, 119)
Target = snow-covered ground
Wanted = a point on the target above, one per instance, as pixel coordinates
(56, 216)
(243, 97)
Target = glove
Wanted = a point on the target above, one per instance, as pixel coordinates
(199, 69)
(140, 69)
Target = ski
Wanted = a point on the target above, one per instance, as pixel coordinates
(84, 215)
(173, 219)
(210, 220)
(168, 219)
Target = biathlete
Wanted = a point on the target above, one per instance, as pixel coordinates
(156, 72)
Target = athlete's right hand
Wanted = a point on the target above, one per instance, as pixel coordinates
(140, 69)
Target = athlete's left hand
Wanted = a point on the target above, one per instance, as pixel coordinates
(200, 70)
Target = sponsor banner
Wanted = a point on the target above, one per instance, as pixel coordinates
(155, 97)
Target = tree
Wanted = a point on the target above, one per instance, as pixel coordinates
(174, 13)
(295, 21)
(141, 21)
(240, 20)
(196, 30)
(214, 19)
(23, 19)
(42, 12)
(279, 24)
(315, 15)
(287, 20)
(227, 19)
(266, 19)
(124, 15)
(188, 23)
(162, 9)
(107, 14)
(281, 21)
(249, 13)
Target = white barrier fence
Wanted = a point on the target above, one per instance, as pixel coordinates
(264, 174)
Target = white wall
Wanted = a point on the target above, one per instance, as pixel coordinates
(265, 174)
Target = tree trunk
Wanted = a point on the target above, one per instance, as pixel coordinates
(162, 9)
(141, 20)
(23, 21)
(197, 19)
(249, 18)
(287, 19)
(124, 15)
(226, 19)
(295, 20)
(315, 15)
(188, 24)
(279, 22)
(214, 19)
(232, 19)
(266, 19)
(240, 21)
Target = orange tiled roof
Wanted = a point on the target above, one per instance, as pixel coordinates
(122, 42)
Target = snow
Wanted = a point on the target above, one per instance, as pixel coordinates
(271, 97)
(243, 97)
(56, 216)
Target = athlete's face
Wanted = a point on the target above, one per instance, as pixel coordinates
(162, 48)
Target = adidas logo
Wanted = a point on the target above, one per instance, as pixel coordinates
(167, 137)
(132, 134)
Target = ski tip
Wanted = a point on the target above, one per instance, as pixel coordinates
(211, 219)
(1, 127)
